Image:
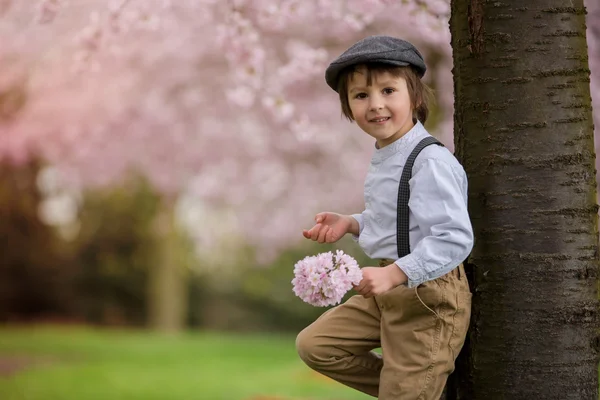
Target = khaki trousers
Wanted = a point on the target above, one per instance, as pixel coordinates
(420, 331)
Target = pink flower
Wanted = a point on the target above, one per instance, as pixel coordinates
(324, 279)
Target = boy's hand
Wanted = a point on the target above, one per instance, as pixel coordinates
(377, 281)
(329, 228)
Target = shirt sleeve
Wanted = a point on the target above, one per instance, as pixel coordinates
(439, 205)
(359, 219)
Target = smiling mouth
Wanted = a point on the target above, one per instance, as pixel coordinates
(380, 119)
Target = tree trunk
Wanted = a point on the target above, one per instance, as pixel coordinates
(524, 133)
(168, 281)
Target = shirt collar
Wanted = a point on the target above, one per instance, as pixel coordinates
(399, 145)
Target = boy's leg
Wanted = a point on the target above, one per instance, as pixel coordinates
(339, 343)
(422, 332)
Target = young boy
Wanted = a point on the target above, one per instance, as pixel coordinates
(416, 306)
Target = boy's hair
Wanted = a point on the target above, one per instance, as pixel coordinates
(420, 94)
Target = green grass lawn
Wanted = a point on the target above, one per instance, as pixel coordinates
(83, 364)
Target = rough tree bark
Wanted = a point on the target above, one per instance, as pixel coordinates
(524, 133)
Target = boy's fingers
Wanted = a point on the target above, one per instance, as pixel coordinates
(360, 286)
(314, 232)
(330, 238)
(309, 233)
(323, 234)
(320, 217)
(320, 235)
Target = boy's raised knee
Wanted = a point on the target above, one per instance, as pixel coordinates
(308, 348)
(303, 346)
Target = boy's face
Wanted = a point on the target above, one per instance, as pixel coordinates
(383, 110)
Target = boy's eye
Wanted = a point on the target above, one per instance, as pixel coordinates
(389, 90)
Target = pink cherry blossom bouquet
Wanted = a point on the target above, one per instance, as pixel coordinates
(324, 279)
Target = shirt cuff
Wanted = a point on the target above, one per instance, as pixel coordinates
(410, 265)
(359, 219)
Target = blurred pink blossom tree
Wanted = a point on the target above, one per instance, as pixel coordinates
(223, 101)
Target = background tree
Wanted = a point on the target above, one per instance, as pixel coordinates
(593, 39)
(34, 281)
(523, 128)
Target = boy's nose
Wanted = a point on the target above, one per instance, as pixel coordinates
(376, 105)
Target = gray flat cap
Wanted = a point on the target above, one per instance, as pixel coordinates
(379, 49)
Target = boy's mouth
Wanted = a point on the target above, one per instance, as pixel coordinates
(379, 119)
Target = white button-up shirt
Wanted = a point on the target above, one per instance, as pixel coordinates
(440, 232)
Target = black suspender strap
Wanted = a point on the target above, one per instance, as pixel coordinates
(402, 227)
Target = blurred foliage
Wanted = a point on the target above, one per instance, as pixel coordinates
(114, 251)
(436, 113)
(35, 278)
